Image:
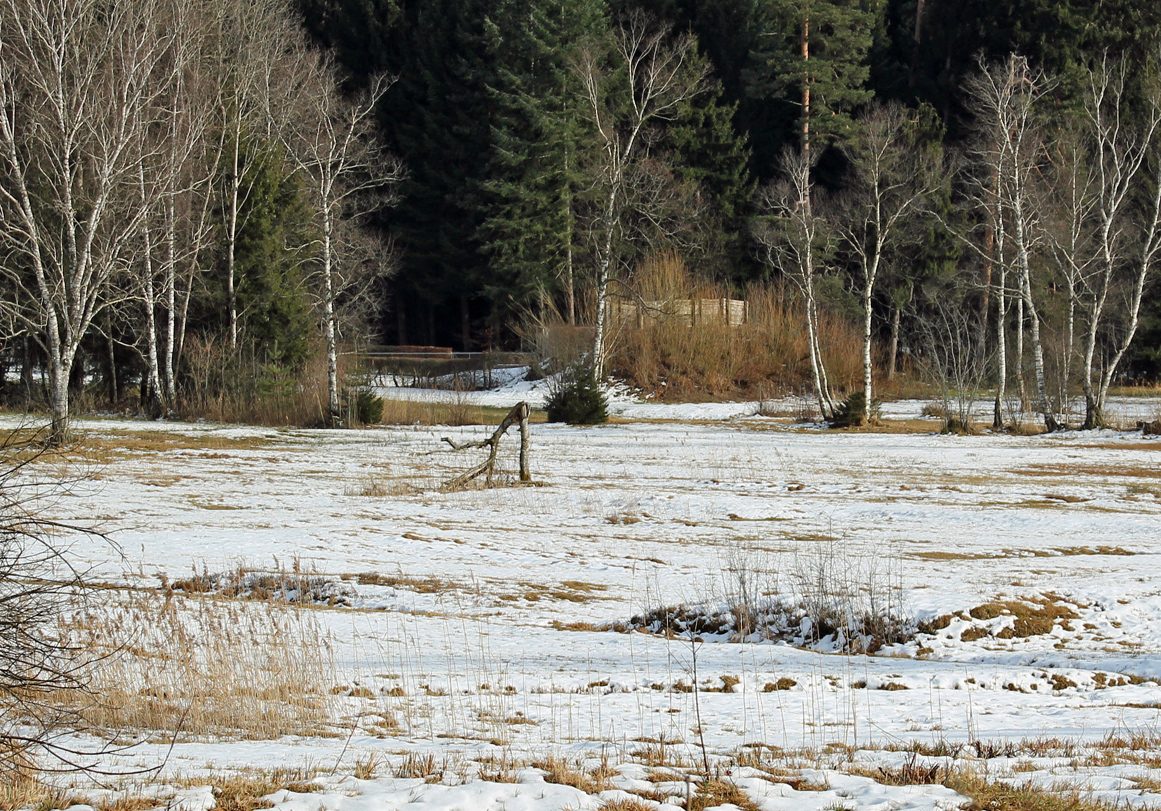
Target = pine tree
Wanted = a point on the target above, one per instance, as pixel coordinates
(817, 60)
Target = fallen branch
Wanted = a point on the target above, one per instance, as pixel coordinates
(519, 414)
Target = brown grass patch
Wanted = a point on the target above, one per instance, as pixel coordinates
(661, 753)
(202, 666)
(783, 683)
(994, 796)
(950, 556)
(573, 774)
(245, 792)
(1101, 471)
(425, 767)
(455, 411)
(716, 792)
(910, 773)
(572, 591)
(578, 626)
(21, 790)
(624, 804)
(1035, 617)
(115, 444)
(420, 585)
(669, 358)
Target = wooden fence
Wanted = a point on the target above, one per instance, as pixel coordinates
(690, 312)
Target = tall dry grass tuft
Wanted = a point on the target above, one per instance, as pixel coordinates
(20, 789)
(204, 666)
(669, 358)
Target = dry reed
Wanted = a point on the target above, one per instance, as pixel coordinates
(669, 358)
(204, 667)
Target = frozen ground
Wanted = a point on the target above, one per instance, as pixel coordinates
(474, 618)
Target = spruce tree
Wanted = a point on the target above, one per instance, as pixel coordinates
(439, 122)
(540, 138)
(708, 151)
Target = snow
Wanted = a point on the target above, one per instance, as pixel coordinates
(501, 655)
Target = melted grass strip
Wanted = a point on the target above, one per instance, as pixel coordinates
(1069, 472)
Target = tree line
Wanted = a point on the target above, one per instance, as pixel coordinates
(836, 144)
(206, 181)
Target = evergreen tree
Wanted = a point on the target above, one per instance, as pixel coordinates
(274, 230)
(539, 139)
(1058, 36)
(272, 297)
(816, 59)
(439, 120)
(358, 32)
(708, 153)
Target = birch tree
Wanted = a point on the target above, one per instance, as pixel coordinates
(246, 60)
(1006, 99)
(80, 86)
(640, 84)
(889, 182)
(1070, 203)
(336, 145)
(1124, 146)
(796, 241)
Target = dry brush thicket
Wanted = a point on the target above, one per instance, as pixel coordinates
(669, 356)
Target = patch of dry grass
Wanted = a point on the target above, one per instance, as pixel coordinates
(1070, 471)
(715, 792)
(420, 585)
(244, 792)
(590, 781)
(670, 359)
(204, 667)
(625, 804)
(952, 556)
(988, 795)
(1034, 616)
(454, 411)
(426, 767)
(22, 790)
(114, 445)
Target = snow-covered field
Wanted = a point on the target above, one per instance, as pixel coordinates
(476, 621)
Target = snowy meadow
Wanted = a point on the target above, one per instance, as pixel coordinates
(694, 606)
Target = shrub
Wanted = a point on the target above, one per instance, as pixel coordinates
(849, 413)
(576, 397)
(224, 385)
(366, 408)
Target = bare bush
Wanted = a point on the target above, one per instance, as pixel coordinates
(953, 362)
(37, 583)
(836, 600)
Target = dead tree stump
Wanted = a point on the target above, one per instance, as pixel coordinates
(518, 415)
